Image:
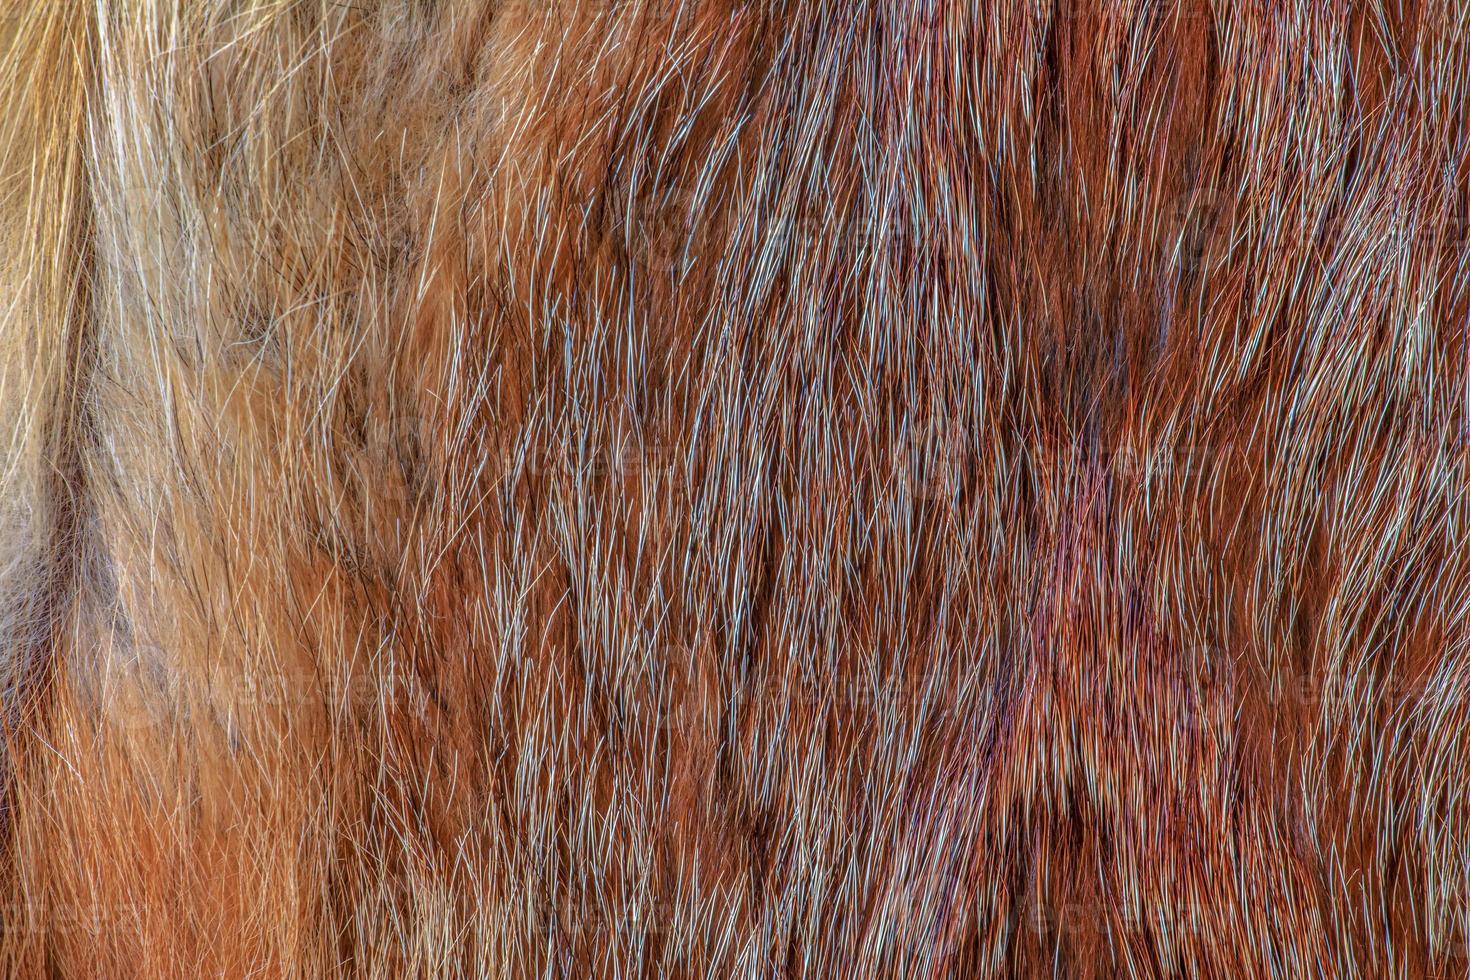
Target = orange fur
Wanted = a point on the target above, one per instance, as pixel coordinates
(735, 488)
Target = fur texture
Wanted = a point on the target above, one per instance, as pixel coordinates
(735, 488)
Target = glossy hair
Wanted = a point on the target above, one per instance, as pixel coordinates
(735, 488)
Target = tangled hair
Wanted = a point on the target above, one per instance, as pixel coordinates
(735, 488)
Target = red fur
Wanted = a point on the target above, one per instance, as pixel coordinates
(736, 488)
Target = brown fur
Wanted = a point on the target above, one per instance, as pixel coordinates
(735, 488)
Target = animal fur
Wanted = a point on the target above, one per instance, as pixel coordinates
(735, 488)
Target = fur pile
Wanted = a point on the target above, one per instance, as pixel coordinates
(735, 488)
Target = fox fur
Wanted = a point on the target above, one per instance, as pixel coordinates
(735, 488)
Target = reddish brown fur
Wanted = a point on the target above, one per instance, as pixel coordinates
(736, 488)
